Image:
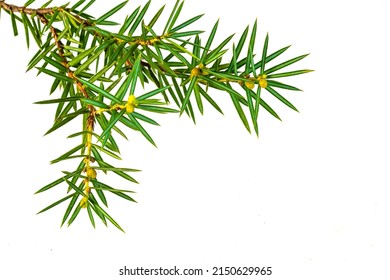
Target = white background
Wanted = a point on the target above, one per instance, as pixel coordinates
(309, 197)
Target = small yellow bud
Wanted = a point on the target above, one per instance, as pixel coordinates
(202, 70)
(263, 81)
(195, 72)
(132, 100)
(131, 104)
(250, 84)
(91, 173)
(129, 108)
(84, 202)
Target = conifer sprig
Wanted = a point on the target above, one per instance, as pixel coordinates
(96, 74)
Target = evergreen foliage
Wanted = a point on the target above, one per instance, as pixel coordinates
(97, 74)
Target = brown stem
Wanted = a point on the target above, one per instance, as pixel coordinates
(29, 11)
(89, 125)
(40, 12)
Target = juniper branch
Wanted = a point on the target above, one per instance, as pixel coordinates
(176, 62)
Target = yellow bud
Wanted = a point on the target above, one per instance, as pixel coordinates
(129, 108)
(195, 72)
(131, 104)
(263, 81)
(84, 202)
(91, 173)
(132, 100)
(250, 84)
(202, 70)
